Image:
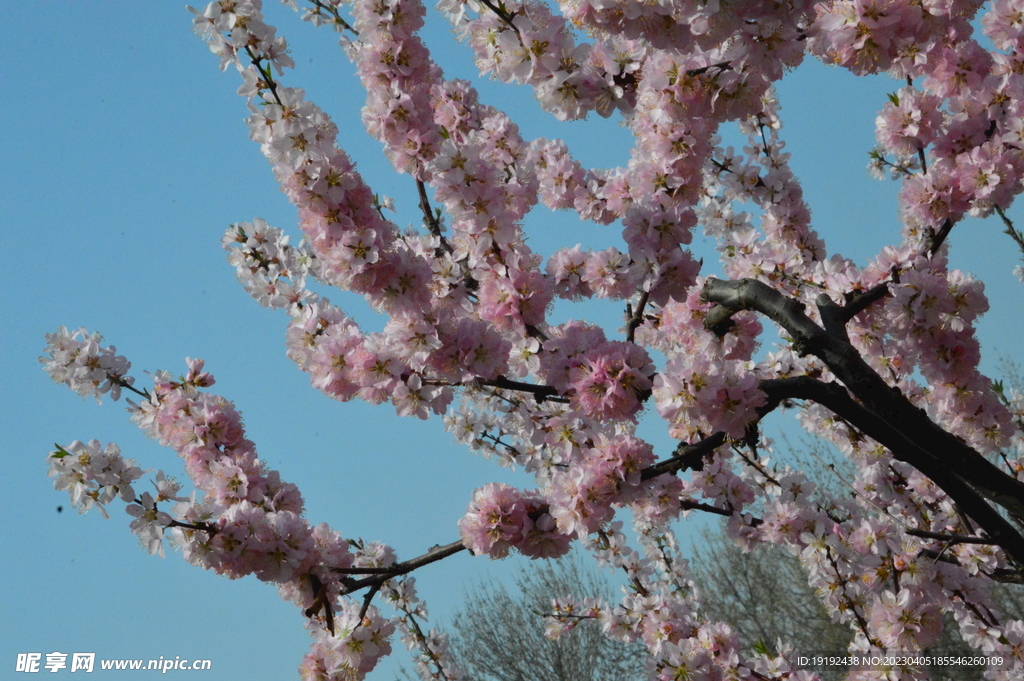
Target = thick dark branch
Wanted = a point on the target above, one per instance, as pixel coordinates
(910, 451)
(1007, 576)
(833, 317)
(541, 392)
(886, 414)
(884, 401)
(432, 556)
(722, 65)
(686, 457)
(202, 527)
(504, 15)
(858, 302)
(692, 456)
(938, 238)
(718, 320)
(950, 538)
(636, 317)
(750, 294)
(687, 505)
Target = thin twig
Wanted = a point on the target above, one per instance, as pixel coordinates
(433, 224)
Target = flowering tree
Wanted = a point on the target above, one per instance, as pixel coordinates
(880, 359)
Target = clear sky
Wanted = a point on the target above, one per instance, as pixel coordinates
(124, 159)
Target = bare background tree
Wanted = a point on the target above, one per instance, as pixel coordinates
(499, 636)
(764, 594)
(765, 597)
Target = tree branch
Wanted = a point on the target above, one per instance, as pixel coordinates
(885, 413)
(432, 556)
(636, 317)
(687, 457)
(949, 538)
(540, 392)
(433, 224)
(858, 302)
(937, 239)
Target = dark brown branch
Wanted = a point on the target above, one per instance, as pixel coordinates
(1007, 576)
(540, 392)
(858, 302)
(718, 320)
(367, 599)
(938, 238)
(949, 538)
(265, 72)
(723, 65)
(368, 571)
(636, 317)
(504, 16)
(692, 456)
(321, 601)
(432, 556)
(1012, 231)
(833, 317)
(909, 450)
(202, 527)
(885, 414)
(686, 457)
(687, 505)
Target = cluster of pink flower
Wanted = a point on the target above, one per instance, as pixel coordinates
(501, 517)
(467, 313)
(93, 475)
(76, 359)
(247, 522)
(269, 268)
(523, 42)
(709, 384)
(396, 70)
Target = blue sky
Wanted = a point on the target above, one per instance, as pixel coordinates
(124, 159)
